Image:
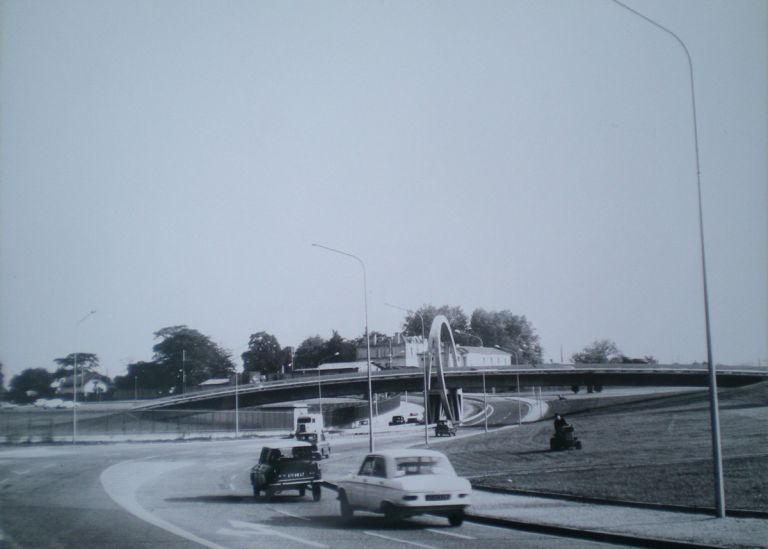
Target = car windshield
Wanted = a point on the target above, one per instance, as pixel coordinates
(423, 465)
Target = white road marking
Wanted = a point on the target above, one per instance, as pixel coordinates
(398, 540)
(288, 514)
(264, 530)
(19, 472)
(120, 483)
(446, 533)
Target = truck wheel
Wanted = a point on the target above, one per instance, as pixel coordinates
(345, 507)
(317, 492)
(456, 519)
(302, 491)
(256, 492)
(269, 493)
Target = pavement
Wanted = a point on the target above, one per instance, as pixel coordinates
(668, 527)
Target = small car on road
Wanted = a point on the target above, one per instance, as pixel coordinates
(444, 428)
(286, 467)
(403, 483)
(321, 448)
(397, 420)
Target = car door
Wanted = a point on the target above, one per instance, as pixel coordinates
(355, 488)
(376, 489)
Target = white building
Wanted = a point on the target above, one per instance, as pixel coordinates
(482, 357)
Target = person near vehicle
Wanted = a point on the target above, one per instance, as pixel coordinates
(560, 423)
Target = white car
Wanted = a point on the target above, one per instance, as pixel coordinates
(406, 482)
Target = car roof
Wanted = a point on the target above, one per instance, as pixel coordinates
(407, 452)
(297, 444)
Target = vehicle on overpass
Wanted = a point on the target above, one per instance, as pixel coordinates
(289, 467)
(403, 483)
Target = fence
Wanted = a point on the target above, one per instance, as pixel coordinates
(49, 425)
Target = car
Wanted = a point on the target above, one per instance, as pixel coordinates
(397, 420)
(444, 428)
(321, 449)
(286, 467)
(406, 482)
(414, 419)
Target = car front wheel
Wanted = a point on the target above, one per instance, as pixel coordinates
(456, 519)
(345, 507)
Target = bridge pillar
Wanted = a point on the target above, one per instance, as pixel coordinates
(436, 409)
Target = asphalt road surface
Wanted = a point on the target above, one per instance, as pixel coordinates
(193, 494)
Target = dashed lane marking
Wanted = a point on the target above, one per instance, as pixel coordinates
(446, 533)
(398, 540)
(256, 529)
(286, 513)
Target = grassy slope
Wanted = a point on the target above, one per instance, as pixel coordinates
(656, 450)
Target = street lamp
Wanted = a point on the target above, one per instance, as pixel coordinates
(426, 383)
(319, 387)
(713, 406)
(367, 340)
(74, 380)
(517, 363)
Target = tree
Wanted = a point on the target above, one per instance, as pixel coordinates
(31, 384)
(2, 387)
(264, 354)
(87, 363)
(511, 333)
(147, 375)
(189, 357)
(347, 350)
(603, 351)
(309, 353)
(455, 315)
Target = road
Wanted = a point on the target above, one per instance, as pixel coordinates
(194, 494)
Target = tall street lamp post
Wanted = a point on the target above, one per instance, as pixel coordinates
(426, 381)
(74, 380)
(367, 340)
(713, 405)
(319, 386)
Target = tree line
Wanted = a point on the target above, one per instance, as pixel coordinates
(183, 357)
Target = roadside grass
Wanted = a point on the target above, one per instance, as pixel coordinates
(652, 451)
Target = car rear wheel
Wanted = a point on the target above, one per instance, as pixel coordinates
(256, 492)
(316, 492)
(345, 507)
(302, 491)
(456, 519)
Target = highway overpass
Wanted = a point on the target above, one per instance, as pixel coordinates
(469, 379)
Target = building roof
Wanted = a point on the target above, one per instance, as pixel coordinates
(481, 350)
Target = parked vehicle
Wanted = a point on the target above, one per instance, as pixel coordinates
(444, 428)
(397, 420)
(289, 467)
(406, 482)
(321, 448)
(413, 419)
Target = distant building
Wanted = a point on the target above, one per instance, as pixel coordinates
(398, 351)
(481, 357)
(408, 352)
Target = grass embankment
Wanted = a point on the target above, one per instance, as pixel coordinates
(653, 451)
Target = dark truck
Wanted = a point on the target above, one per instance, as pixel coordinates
(288, 467)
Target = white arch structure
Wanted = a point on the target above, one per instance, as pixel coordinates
(441, 358)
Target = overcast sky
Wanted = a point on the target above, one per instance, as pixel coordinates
(171, 163)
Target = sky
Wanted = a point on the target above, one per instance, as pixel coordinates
(168, 163)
